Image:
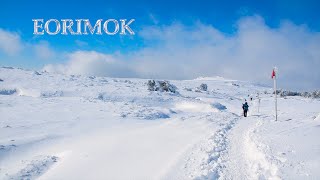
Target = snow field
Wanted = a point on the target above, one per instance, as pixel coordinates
(76, 127)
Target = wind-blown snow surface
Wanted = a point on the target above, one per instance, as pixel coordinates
(76, 127)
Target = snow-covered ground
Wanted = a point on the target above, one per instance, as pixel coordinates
(54, 126)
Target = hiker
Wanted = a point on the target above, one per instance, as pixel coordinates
(245, 108)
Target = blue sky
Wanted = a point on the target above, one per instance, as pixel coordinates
(150, 16)
(16, 16)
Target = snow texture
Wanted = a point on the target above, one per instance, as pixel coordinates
(57, 126)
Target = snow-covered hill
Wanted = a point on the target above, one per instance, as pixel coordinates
(54, 126)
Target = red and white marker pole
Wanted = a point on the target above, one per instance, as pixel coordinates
(273, 76)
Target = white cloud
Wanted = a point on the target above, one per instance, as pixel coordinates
(92, 63)
(43, 50)
(10, 43)
(178, 51)
(184, 52)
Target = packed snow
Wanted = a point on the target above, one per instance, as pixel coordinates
(56, 126)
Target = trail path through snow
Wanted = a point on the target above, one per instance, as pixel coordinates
(246, 156)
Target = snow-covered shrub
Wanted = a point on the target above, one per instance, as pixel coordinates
(284, 93)
(316, 94)
(219, 106)
(188, 89)
(7, 67)
(1, 80)
(36, 73)
(7, 91)
(103, 96)
(166, 86)
(127, 81)
(293, 93)
(150, 114)
(161, 86)
(104, 81)
(36, 167)
(278, 91)
(306, 94)
(73, 78)
(52, 94)
(203, 87)
(234, 84)
(151, 85)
